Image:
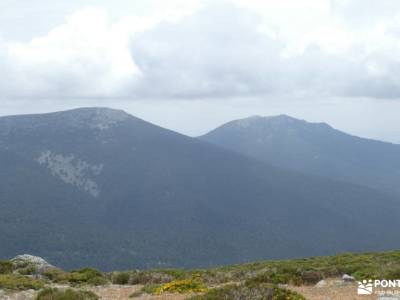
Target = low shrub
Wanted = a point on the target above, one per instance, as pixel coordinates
(367, 273)
(147, 277)
(277, 277)
(65, 294)
(120, 278)
(28, 270)
(182, 286)
(87, 276)
(311, 270)
(309, 277)
(174, 273)
(57, 276)
(392, 274)
(19, 282)
(6, 267)
(283, 294)
(150, 288)
(249, 292)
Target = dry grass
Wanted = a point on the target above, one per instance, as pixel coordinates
(332, 291)
(122, 292)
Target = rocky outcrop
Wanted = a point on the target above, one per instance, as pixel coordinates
(72, 170)
(321, 284)
(348, 278)
(30, 264)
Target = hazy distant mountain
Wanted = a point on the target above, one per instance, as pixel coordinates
(99, 187)
(313, 148)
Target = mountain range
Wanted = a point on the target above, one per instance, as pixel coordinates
(99, 187)
(313, 148)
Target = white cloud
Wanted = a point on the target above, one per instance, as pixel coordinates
(87, 56)
(195, 49)
(218, 51)
(225, 51)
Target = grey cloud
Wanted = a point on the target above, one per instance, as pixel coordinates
(216, 52)
(220, 52)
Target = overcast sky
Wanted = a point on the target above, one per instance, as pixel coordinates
(190, 65)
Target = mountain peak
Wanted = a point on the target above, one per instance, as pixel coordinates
(284, 120)
(95, 117)
(246, 122)
(257, 121)
(283, 117)
(279, 121)
(93, 111)
(312, 148)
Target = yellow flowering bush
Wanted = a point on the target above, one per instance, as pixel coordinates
(182, 286)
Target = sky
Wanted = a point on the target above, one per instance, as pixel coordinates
(191, 65)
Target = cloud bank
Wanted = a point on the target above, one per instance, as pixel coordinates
(219, 49)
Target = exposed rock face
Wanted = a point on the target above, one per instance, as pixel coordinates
(321, 284)
(347, 278)
(26, 261)
(72, 170)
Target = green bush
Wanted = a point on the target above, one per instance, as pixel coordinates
(98, 281)
(283, 294)
(120, 278)
(67, 294)
(87, 276)
(367, 273)
(28, 270)
(311, 270)
(278, 277)
(6, 267)
(57, 276)
(148, 277)
(78, 277)
(174, 273)
(19, 282)
(392, 274)
(309, 277)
